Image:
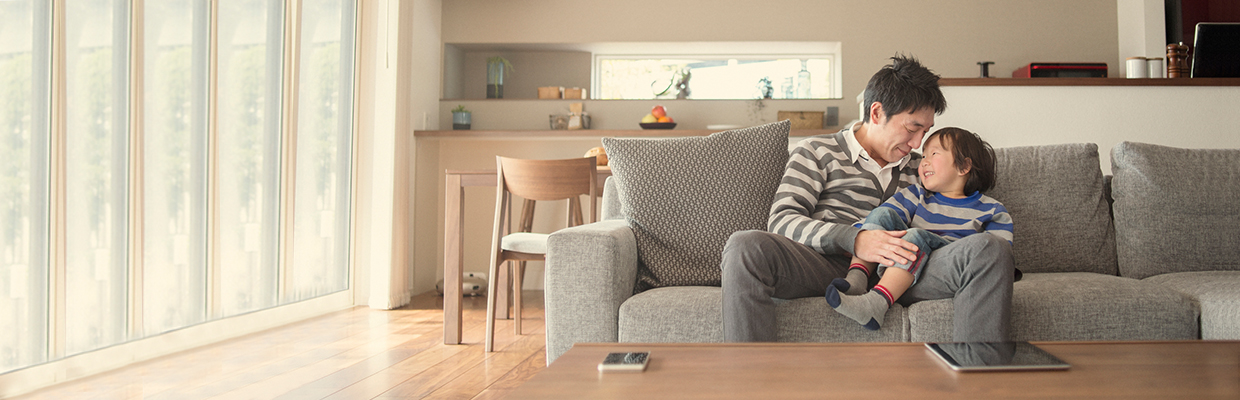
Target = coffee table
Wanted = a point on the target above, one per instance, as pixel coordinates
(1177, 369)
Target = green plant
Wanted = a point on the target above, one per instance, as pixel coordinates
(460, 109)
(501, 60)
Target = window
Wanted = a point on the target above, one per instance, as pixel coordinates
(96, 169)
(25, 70)
(324, 126)
(250, 53)
(744, 70)
(174, 164)
(185, 165)
(715, 78)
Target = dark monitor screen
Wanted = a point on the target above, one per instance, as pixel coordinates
(1216, 50)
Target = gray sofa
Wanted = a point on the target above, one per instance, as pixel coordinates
(1149, 254)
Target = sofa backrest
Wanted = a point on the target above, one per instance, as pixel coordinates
(1056, 196)
(1059, 201)
(1175, 209)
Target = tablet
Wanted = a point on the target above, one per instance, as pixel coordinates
(996, 356)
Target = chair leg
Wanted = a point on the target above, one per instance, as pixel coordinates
(489, 344)
(517, 277)
(503, 284)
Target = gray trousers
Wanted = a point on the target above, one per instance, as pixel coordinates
(976, 272)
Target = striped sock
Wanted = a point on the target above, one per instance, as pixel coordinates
(867, 309)
(858, 277)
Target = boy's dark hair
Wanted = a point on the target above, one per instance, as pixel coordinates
(904, 85)
(969, 151)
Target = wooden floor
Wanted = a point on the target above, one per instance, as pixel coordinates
(358, 353)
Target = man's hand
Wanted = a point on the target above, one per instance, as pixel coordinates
(884, 247)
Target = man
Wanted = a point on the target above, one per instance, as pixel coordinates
(833, 181)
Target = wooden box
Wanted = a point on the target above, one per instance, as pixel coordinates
(550, 92)
(802, 119)
(574, 93)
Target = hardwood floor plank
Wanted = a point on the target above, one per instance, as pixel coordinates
(357, 346)
(359, 353)
(515, 377)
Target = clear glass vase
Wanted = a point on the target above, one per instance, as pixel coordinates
(495, 80)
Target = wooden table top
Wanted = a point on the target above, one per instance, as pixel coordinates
(1180, 369)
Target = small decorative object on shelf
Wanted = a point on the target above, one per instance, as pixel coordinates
(550, 92)
(985, 68)
(577, 117)
(1177, 60)
(657, 119)
(496, 67)
(765, 88)
(803, 82)
(461, 118)
(558, 122)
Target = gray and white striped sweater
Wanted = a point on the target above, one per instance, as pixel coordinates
(823, 193)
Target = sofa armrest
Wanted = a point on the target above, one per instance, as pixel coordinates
(590, 271)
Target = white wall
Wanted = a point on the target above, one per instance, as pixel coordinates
(1189, 117)
(1141, 29)
(949, 36)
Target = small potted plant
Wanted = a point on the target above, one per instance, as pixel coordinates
(496, 67)
(461, 118)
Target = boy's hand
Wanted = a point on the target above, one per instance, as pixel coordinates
(884, 247)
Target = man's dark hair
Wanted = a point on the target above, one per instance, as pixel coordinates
(969, 151)
(904, 85)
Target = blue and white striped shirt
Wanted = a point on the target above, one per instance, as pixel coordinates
(950, 218)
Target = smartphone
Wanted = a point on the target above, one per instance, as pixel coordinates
(625, 362)
(996, 356)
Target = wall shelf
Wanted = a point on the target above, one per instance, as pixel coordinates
(1089, 82)
(591, 133)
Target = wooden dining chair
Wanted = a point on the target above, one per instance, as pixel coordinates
(532, 180)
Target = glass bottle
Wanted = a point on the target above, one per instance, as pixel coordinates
(803, 89)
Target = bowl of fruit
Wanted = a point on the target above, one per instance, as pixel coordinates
(657, 119)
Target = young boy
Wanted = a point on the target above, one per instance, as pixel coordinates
(948, 204)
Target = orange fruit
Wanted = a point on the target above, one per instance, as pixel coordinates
(665, 119)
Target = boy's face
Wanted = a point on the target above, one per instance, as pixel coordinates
(938, 169)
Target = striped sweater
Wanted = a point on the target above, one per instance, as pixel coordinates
(950, 218)
(823, 194)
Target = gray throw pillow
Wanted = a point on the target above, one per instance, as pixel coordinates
(1175, 209)
(684, 196)
(1055, 194)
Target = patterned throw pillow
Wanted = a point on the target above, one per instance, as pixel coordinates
(683, 197)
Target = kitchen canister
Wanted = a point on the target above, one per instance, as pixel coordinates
(1156, 67)
(1138, 67)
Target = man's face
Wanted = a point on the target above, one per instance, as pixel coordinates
(895, 137)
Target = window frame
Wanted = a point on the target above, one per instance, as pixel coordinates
(722, 51)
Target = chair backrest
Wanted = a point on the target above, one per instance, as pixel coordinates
(550, 179)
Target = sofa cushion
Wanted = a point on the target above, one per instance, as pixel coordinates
(811, 319)
(1076, 306)
(685, 196)
(691, 314)
(1175, 209)
(1055, 194)
(688, 314)
(1217, 294)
